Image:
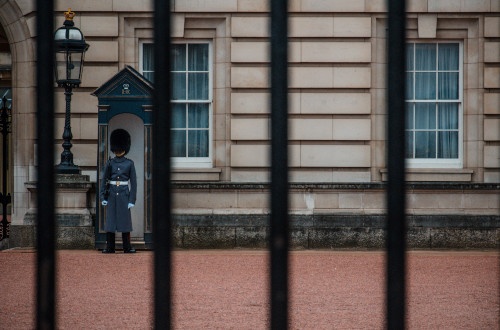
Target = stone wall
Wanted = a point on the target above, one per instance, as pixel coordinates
(321, 216)
(320, 231)
(337, 55)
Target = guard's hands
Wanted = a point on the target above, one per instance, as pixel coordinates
(130, 205)
(104, 203)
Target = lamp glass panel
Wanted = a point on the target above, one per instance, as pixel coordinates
(75, 34)
(68, 65)
(60, 34)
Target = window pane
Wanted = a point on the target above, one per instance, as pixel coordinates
(149, 76)
(179, 143)
(409, 56)
(448, 57)
(178, 57)
(448, 116)
(448, 85)
(198, 143)
(425, 144)
(409, 144)
(179, 86)
(147, 55)
(425, 56)
(425, 116)
(448, 144)
(190, 81)
(409, 115)
(425, 86)
(198, 115)
(432, 127)
(198, 86)
(409, 85)
(178, 115)
(198, 57)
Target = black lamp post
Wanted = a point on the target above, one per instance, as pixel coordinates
(70, 47)
(5, 128)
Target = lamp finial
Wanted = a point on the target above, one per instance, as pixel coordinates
(69, 14)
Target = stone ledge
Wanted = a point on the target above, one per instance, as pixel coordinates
(335, 231)
(336, 186)
(334, 238)
(67, 218)
(67, 237)
(324, 231)
(434, 175)
(339, 221)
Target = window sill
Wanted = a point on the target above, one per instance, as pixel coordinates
(434, 175)
(196, 174)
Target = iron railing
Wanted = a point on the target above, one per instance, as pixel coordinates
(278, 240)
(45, 238)
(396, 248)
(396, 221)
(161, 167)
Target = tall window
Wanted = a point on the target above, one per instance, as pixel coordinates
(433, 105)
(191, 100)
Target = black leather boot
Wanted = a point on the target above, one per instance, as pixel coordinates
(127, 247)
(110, 243)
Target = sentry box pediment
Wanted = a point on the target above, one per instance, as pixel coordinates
(126, 92)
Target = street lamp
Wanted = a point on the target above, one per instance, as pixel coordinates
(70, 48)
(5, 199)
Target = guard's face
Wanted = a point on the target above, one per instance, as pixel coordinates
(119, 153)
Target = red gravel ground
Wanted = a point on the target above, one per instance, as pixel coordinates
(229, 290)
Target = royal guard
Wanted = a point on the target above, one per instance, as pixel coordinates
(116, 194)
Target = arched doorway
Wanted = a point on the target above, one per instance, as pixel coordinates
(17, 73)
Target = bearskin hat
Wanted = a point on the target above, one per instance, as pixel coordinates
(120, 140)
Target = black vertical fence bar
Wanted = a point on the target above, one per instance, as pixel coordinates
(46, 263)
(162, 240)
(279, 165)
(396, 221)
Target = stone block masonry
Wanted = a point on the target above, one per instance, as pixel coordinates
(194, 231)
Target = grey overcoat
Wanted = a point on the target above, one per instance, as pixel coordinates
(118, 216)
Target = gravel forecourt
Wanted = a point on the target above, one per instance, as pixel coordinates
(228, 289)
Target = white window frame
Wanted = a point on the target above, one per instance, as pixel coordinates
(436, 162)
(193, 162)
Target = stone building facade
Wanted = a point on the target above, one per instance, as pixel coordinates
(337, 115)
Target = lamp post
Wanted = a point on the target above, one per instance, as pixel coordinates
(5, 128)
(70, 48)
